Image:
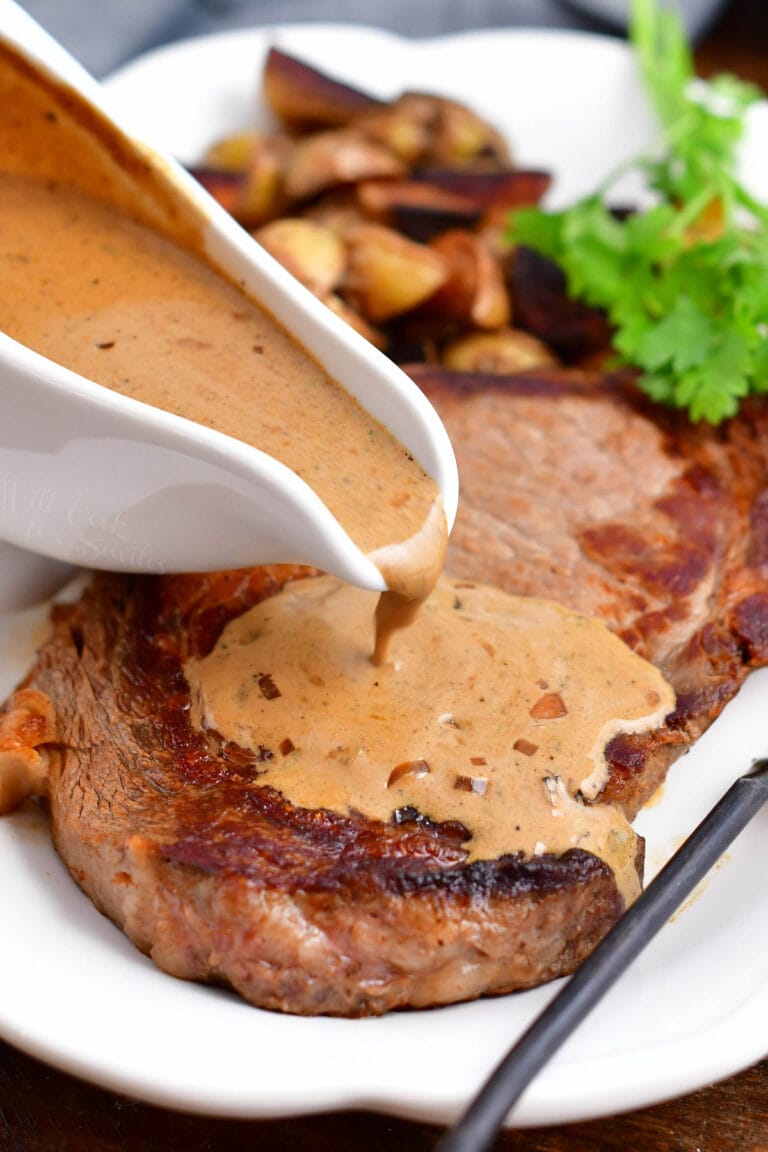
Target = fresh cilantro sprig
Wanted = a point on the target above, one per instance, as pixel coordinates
(685, 282)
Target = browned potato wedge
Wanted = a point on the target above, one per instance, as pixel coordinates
(474, 290)
(343, 156)
(246, 174)
(416, 209)
(501, 353)
(265, 196)
(338, 209)
(506, 187)
(381, 197)
(433, 200)
(422, 128)
(394, 214)
(388, 274)
(463, 136)
(457, 135)
(304, 97)
(233, 153)
(312, 253)
(355, 320)
(425, 223)
(542, 306)
(405, 126)
(412, 339)
(225, 186)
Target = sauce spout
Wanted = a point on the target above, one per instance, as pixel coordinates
(94, 474)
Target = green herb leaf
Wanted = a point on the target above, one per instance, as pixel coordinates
(684, 283)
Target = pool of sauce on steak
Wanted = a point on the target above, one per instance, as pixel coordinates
(495, 712)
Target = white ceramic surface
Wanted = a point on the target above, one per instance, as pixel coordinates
(104, 481)
(692, 1009)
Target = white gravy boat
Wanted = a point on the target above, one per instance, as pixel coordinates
(90, 478)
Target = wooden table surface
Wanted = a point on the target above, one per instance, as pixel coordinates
(42, 1110)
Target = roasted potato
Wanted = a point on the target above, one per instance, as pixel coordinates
(313, 253)
(394, 214)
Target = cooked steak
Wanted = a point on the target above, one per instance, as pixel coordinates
(572, 489)
(220, 879)
(575, 487)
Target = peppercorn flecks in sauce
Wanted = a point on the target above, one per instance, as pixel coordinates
(495, 711)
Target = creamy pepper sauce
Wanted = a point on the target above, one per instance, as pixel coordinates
(490, 709)
(495, 712)
(123, 304)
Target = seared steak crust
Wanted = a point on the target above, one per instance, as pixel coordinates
(221, 879)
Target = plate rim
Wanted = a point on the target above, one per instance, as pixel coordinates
(415, 1106)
